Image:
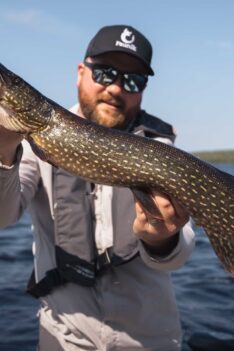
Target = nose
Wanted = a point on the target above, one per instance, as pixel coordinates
(115, 88)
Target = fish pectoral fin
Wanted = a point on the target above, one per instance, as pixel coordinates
(38, 151)
(149, 206)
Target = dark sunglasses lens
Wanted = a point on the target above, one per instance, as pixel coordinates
(134, 83)
(104, 76)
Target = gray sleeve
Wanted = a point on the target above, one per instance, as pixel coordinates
(177, 257)
(18, 185)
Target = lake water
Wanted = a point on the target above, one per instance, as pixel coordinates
(205, 293)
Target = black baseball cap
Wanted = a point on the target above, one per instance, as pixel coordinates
(122, 38)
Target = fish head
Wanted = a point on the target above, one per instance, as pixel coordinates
(22, 108)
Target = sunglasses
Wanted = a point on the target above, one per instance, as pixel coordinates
(106, 75)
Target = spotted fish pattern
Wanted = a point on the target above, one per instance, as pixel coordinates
(106, 156)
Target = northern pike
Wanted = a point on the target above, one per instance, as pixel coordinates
(116, 158)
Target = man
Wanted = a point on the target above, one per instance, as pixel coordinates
(102, 270)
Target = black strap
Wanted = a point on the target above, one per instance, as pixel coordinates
(46, 285)
(74, 269)
(55, 278)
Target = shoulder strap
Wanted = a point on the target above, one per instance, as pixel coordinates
(152, 127)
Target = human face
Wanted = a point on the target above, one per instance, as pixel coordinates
(109, 105)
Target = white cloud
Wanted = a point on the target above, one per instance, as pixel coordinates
(39, 21)
(28, 16)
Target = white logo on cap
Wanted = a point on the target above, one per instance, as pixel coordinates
(127, 34)
(127, 39)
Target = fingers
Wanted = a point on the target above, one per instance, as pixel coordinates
(174, 217)
(165, 206)
(146, 200)
(170, 209)
(9, 142)
(181, 213)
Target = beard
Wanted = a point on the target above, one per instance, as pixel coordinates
(97, 110)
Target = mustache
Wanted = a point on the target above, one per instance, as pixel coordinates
(118, 101)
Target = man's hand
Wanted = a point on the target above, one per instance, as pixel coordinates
(9, 142)
(160, 235)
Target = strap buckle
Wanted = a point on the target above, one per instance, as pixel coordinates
(104, 260)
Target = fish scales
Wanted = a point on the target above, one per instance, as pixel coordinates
(106, 156)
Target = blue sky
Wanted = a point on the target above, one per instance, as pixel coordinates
(193, 41)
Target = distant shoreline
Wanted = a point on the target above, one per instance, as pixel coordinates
(217, 156)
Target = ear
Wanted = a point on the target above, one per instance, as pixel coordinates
(80, 72)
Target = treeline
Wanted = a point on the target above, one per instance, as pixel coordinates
(222, 156)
